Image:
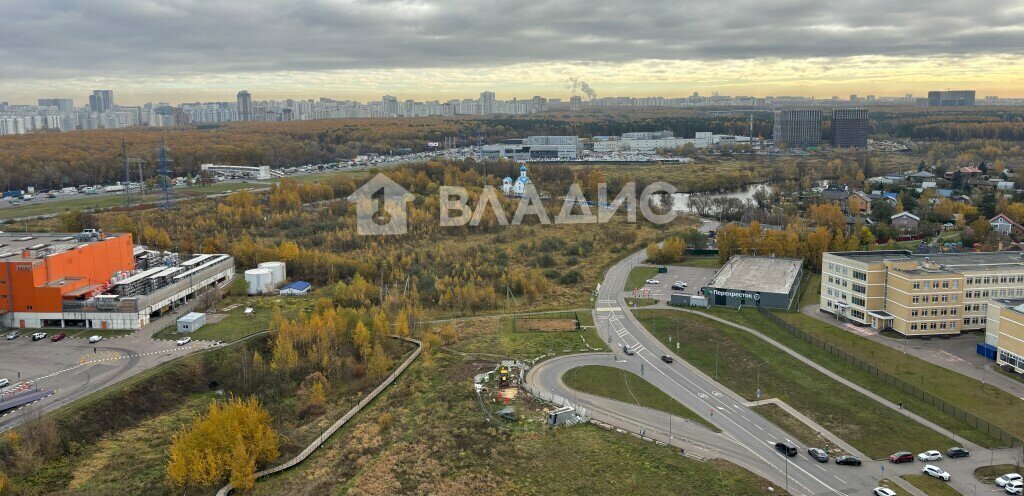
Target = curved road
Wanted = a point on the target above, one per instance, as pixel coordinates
(746, 438)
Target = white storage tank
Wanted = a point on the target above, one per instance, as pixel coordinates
(278, 270)
(259, 281)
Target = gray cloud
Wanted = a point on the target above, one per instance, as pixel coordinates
(65, 39)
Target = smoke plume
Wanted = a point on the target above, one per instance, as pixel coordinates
(578, 85)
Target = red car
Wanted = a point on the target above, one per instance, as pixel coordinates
(901, 457)
(58, 337)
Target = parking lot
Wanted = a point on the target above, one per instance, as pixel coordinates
(73, 367)
(694, 277)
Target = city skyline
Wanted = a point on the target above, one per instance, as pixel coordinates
(202, 51)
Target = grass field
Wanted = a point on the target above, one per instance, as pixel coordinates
(427, 435)
(238, 325)
(985, 401)
(640, 302)
(892, 485)
(702, 262)
(490, 335)
(803, 432)
(990, 473)
(811, 290)
(638, 275)
(627, 387)
(930, 485)
(745, 363)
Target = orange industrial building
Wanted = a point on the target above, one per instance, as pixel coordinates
(58, 280)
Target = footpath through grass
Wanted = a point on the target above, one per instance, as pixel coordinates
(627, 387)
(745, 363)
(984, 400)
(638, 277)
(930, 485)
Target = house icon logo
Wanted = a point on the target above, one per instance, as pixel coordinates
(381, 207)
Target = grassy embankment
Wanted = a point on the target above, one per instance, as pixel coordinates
(627, 387)
(930, 485)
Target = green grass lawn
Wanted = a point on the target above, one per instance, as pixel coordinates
(638, 275)
(238, 325)
(811, 290)
(988, 474)
(930, 485)
(888, 483)
(640, 302)
(744, 363)
(627, 387)
(803, 432)
(984, 400)
(527, 345)
(702, 262)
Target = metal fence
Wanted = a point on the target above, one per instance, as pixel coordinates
(950, 409)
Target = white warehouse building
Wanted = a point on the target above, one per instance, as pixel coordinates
(536, 147)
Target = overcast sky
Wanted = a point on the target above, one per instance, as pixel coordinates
(179, 50)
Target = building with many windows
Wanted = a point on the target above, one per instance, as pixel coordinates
(918, 295)
(850, 128)
(798, 128)
(954, 98)
(1005, 332)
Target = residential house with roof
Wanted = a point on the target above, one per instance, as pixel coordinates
(905, 221)
(1005, 225)
(858, 203)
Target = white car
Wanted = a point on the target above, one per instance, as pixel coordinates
(1014, 487)
(653, 281)
(39, 335)
(884, 491)
(1008, 478)
(929, 456)
(95, 339)
(4, 382)
(936, 472)
(183, 341)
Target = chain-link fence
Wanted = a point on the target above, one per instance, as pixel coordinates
(954, 411)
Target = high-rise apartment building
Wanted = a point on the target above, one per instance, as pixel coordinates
(62, 104)
(850, 128)
(576, 103)
(958, 98)
(244, 100)
(389, 105)
(487, 102)
(798, 128)
(918, 295)
(101, 101)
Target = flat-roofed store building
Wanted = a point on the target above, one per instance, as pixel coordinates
(536, 147)
(918, 295)
(96, 281)
(769, 282)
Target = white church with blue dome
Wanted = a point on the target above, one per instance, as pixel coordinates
(518, 187)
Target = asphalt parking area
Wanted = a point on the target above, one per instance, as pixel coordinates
(694, 277)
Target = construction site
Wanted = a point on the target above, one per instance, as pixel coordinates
(96, 280)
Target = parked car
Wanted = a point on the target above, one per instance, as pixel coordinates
(653, 281)
(13, 335)
(929, 456)
(785, 448)
(666, 359)
(1014, 487)
(884, 491)
(848, 460)
(58, 337)
(818, 454)
(957, 452)
(4, 382)
(95, 339)
(936, 472)
(901, 457)
(1008, 478)
(627, 350)
(679, 285)
(183, 341)
(39, 335)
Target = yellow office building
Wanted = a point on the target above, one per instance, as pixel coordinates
(1005, 332)
(918, 295)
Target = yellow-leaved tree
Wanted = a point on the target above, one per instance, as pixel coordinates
(229, 441)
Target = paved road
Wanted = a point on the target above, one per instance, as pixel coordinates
(742, 428)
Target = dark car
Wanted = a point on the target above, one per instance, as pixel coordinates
(818, 454)
(848, 460)
(957, 452)
(666, 359)
(785, 448)
(901, 457)
(58, 337)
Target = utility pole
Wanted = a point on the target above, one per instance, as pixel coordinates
(165, 175)
(128, 161)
